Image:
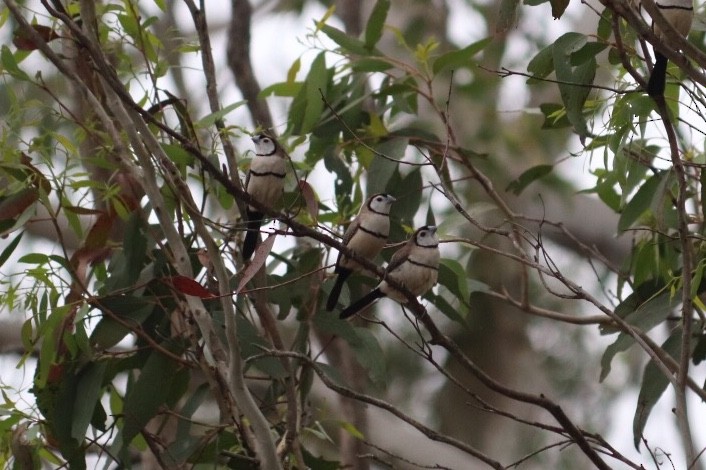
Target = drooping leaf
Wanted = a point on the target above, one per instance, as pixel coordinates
(528, 177)
(554, 116)
(316, 85)
(308, 193)
(455, 279)
(461, 57)
(376, 22)
(211, 119)
(381, 169)
(15, 204)
(144, 397)
(370, 355)
(347, 43)
(133, 311)
(641, 201)
(258, 260)
(654, 383)
(574, 81)
(647, 316)
(88, 393)
(541, 65)
(699, 350)
(9, 64)
(10, 248)
(252, 344)
(25, 42)
(558, 7)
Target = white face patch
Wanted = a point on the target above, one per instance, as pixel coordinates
(427, 237)
(381, 203)
(264, 145)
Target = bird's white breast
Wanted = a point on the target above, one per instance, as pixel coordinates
(268, 188)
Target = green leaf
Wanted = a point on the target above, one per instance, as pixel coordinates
(294, 70)
(381, 169)
(126, 265)
(282, 89)
(376, 22)
(461, 57)
(316, 84)
(178, 154)
(320, 463)
(211, 119)
(370, 355)
(368, 64)
(361, 340)
(9, 64)
(348, 44)
(144, 397)
(541, 65)
(575, 82)
(589, 51)
(132, 310)
(10, 248)
(527, 177)
(34, 258)
(700, 350)
(252, 344)
(408, 191)
(645, 317)
(447, 309)
(554, 116)
(88, 392)
(641, 201)
(455, 279)
(654, 383)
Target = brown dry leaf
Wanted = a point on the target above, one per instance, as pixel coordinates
(258, 260)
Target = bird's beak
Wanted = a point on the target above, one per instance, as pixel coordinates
(432, 228)
(255, 139)
(391, 199)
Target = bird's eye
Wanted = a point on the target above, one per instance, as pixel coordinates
(378, 199)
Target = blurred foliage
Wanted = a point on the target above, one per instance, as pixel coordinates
(119, 350)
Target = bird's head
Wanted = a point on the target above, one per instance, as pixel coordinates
(380, 203)
(426, 236)
(264, 145)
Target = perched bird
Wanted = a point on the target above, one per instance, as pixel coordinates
(265, 183)
(414, 266)
(679, 14)
(366, 236)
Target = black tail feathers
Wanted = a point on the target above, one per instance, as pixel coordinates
(361, 303)
(253, 234)
(657, 82)
(336, 290)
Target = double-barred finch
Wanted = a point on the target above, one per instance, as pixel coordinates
(265, 183)
(366, 236)
(679, 14)
(415, 266)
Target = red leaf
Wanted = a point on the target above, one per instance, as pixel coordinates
(188, 286)
(98, 235)
(23, 41)
(15, 204)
